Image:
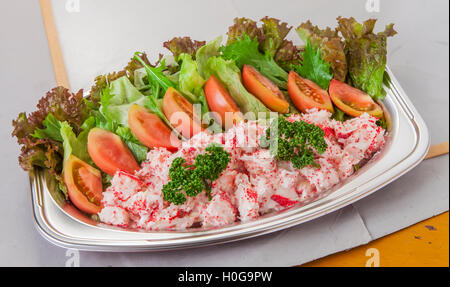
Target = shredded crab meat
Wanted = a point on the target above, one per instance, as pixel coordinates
(219, 211)
(253, 184)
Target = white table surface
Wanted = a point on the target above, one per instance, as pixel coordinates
(418, 56)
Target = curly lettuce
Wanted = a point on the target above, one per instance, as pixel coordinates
(44, 153)
(274, 34)
(62, 132)
(41, 146)
(287, 55)
(183, 45)
(366, 54)
(50, 146)
(270, 37)
(244, 26)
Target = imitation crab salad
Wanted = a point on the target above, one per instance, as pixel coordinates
(215, 133)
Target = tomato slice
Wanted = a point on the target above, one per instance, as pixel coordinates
(264, 89)
(109, 152)
(150, 130)
(220, 102)
(84, 185)
(352, 101)
(307, 95)
(180, 113)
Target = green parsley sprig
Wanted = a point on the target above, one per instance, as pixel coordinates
(294, 141)
(193, 179)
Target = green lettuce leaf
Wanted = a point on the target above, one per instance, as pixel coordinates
(118, 98)
(314, 67)
(366, 54)
(246, 51)
(330, 45)
(137, 149)
(103, 81)
(211, 49)
(140, 80)
(51, 131)
(75, 145)
(190, 82)
(229, 74)
(209, 62)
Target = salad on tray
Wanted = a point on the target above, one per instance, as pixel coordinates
(217, 132)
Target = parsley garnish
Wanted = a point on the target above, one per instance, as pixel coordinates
(191, 180)
(294, 141)
(382, 123)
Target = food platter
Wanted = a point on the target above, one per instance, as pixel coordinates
(406, 146)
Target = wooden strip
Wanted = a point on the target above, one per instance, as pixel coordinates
(437, 150)
(422, 244)
(54, 44)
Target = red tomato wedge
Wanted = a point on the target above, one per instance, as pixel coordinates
(110, 153)
(307, 95)
(84, 185)
(352, 101)
(220, 102)
(150, 130)
(266, 91)
(180, 113)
